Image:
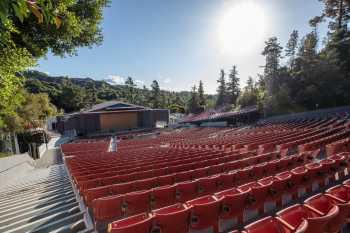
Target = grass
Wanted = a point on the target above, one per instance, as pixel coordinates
(4, 154)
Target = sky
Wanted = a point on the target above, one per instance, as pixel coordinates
(181, 42)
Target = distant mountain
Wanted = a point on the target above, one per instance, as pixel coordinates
(73, 94)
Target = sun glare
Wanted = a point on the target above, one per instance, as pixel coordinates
(241, 27)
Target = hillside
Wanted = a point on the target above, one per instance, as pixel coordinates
(73, 94)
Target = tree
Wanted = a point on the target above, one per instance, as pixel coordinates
(72, 97)
(193, 104)
(130, 91)
(155, 94)
(291, 47)
(201, 97)
(233, 86)
(221, 91)
(12, 61)
(272, 53)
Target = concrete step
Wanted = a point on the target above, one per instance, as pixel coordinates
(49, 223)
(35, 199)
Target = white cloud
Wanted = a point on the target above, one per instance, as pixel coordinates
(139, 83)
(114, 79)
(167, 80)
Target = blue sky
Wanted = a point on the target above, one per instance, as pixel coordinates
(179, 42)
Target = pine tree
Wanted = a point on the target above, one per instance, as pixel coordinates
(193, 105)
(221, 91)
(130, 90)
(291, 47)
(155, 94)
(272, 53)
(201, 98)
(233, 86)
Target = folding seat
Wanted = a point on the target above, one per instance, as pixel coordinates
(341, 164)
(228, 180)
(328, 170)
(172, 219)
(260, 170)
(183, 176)
(245, 175)
(273, 225)
(146, 174)
(323, 206)
(216, 169)
(208, 185)
(141, 223)
(315, 175)
(299, 180)
(136, 202)
(163, 196)
(231, 166)
(128, 177)
(204, 213)
(257, 196)
(201, 172)
(94, 193)
(145, 184)
(233, 202)
(277, 188)
(123, 188)
(340, 196)
(186, 191)
(165, 180)
(107, 208)
(295, 215)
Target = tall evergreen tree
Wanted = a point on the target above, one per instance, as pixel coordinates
(221, 91)
(201, 97)
(130, 90)
(291, 47)
(155, 94)
(193, 104)
(233, 86)
(272, 53)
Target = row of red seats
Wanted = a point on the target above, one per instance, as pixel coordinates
(338, 146)
(204, 165)
(212, 211)
(320, 213)
(253, 194)
(239, 171)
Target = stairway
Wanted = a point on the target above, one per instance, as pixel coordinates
(42, 202)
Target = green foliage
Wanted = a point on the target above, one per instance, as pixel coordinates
(221, 91)
(233, 86)
(74, 94)
(202, 102)
(12, 61)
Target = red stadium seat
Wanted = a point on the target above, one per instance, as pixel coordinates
(340, 196)
(258, 195)
(233, 203)
(204, 213)
(186, 191)
(272, 225)
(295, 216)
(324, 207)
(207, 185)
(172, 219)
(107, 208)
(145, 184)
(141, 223)
(136, 202)
(165, 180)
(299, 178)
(184, 176)
(200, 172)
(229, 179)
(163, 196)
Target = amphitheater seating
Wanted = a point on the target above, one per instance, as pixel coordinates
(213, 179)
